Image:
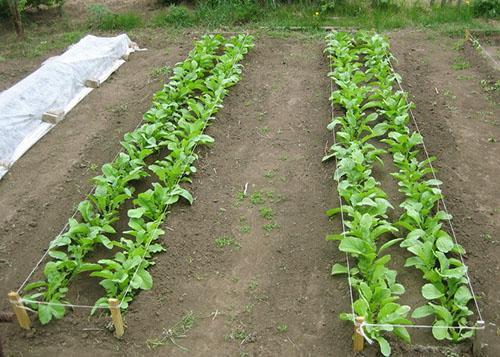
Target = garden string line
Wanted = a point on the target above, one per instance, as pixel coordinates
(66, 225)
(342, 214)
(475, 42)
(480, 321)
(48, 250)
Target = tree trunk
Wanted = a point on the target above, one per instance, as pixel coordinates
(459, 3)
(16, 17)
(432, 3)
(443, 3)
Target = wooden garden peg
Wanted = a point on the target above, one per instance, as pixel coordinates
(467, 34)
(19, 310)
(116, 315)
(358, 334)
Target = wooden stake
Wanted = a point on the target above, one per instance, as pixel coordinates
(467, 34)
(116, 315)
(358, 337)
(19, 310)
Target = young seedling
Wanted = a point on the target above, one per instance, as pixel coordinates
(269, 227)
(256, 198)
(282, 328)
(226, 241)
(245, 229)
(266, 213)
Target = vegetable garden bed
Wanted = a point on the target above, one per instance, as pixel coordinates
(266, 291)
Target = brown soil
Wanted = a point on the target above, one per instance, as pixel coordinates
(270, 134)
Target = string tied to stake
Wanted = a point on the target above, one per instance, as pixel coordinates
(359, 324)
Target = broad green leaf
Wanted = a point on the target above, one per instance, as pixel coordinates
(463, 295)
(330, 237)
(333, 211)
(430, 292)
(389, 244)
(439, 331)
(444, 244)
(44, 314)
(422, 311)
(147, 280)
(136, 213)
(385, 348)
(34, 285)
(354, 245)
(58, 255)
(402, 333)
(339, 269)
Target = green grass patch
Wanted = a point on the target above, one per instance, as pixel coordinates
(100, 17)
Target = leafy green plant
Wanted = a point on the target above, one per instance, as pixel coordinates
(364, 208)
(176, 122)
(436, 254)
(266, 213)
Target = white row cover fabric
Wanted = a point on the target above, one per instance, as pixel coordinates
(57, 86)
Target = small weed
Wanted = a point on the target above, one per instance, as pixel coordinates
(449, 94)
(225, 241)
(460, 63)
(283, 158)
(248, 308)
(256, 198)
(487, 236)
(264, 130)
(490, 86)
(458, 45)
(253, 284)
(120, 109)
(240, 196)
(179, 330)
(269, 227)
(245, 229)
(266, 213)
(464, 78)
(269, 174)
(281, 328)
(160, 71)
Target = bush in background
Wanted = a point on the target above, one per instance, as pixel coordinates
(178, 16)
(486, 8)
(102, 18)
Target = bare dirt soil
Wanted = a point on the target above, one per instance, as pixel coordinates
(268, 293)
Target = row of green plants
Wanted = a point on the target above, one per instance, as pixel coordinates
(364, 204)
(374, 112)
(175, 125)
(435, 253)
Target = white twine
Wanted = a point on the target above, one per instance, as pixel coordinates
(64, 228)
(479, 322)
(359, 330)
(61, 304)
(475, 41)
(348, 265)
(442, 201)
